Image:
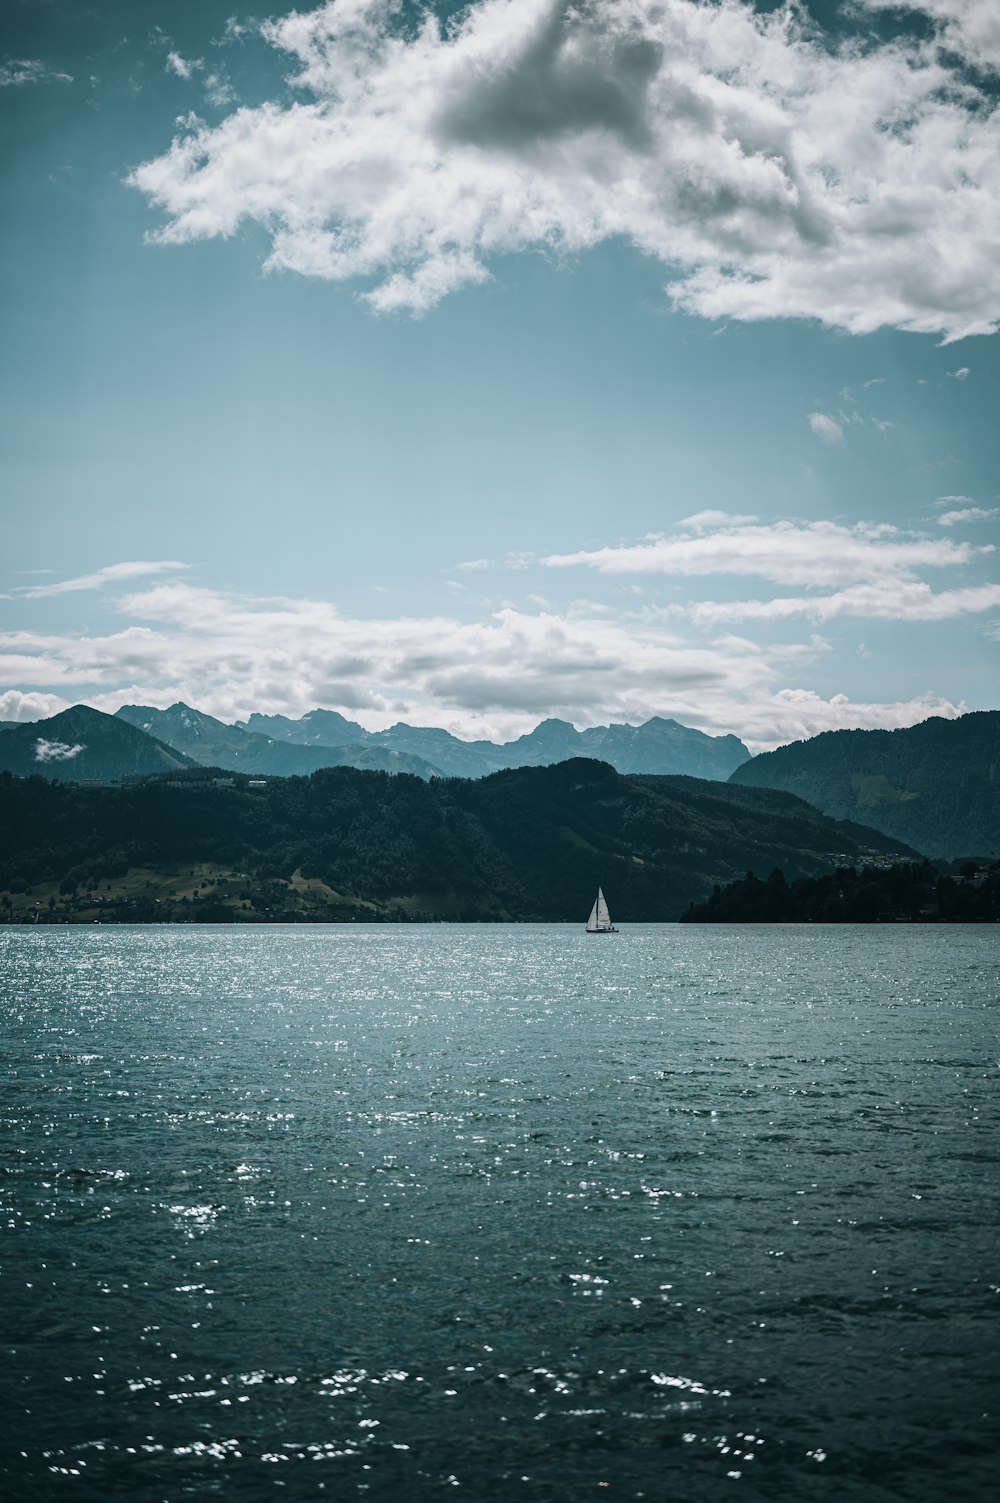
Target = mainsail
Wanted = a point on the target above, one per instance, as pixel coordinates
(600, 919)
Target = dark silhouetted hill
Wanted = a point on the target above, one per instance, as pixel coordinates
(531, 843)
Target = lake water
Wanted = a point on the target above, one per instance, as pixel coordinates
(501, 1213)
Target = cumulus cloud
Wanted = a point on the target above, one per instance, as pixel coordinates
(492, 677)
(56, 751)
(773, 171)
(969, 28)
(109, 575)
(962, 374)
(826, 428)
(28, 707)
(802, 713)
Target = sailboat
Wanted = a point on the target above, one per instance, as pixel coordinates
(600, 919)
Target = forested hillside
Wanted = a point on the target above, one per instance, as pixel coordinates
(935, 785)
(527, 844)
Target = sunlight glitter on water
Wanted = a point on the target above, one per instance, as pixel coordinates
(480, 1210)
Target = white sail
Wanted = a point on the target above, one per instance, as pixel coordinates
(600, 919)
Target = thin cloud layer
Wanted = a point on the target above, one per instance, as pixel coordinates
(890, 600)
(785, 552)
(15, 72)
(110, 575)
(968, 514)
(772, 171)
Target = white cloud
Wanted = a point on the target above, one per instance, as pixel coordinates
(111, 574)
(56, 751)
(181, 66)
(961, 374)
(772, 171)
(816, 554)
(27, 707)
(826, 428)
(888, 600)
(493, 677)
(233, 31)
(218, 90)
(801, 713)
(968, 514)
(16, 72)
(865, 571)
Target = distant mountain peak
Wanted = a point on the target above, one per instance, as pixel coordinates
(660, 746)
(84, 744)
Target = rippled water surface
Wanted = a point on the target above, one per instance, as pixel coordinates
(500, 1212)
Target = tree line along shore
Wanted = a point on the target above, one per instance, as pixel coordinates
(522, 845)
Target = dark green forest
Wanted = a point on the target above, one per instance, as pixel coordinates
(935, 785)
(913, 892)
(527, 844)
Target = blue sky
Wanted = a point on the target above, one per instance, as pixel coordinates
(627, 360)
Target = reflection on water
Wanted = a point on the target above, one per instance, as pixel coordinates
(401, 1211)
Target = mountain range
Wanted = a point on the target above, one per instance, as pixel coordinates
(659, 745)
(275, 746)
(212, 743)
(935, 785)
